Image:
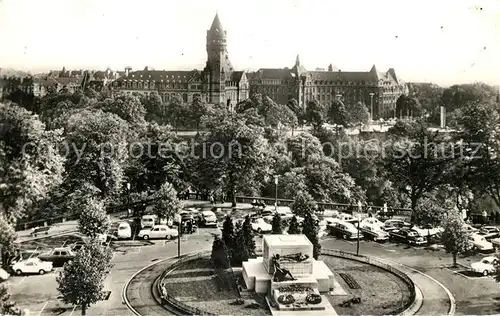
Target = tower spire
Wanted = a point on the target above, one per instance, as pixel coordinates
(297, 60)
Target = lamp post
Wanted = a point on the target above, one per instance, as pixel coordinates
(357, 244)
(128, 200)
(371, 105)
(276, 194)
(179, 238)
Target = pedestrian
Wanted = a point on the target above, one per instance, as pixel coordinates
(485, 217)
(189, 227)
(212, 199)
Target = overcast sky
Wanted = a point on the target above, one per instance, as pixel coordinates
(441, 41)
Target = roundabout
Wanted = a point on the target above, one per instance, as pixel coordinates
(193, 285)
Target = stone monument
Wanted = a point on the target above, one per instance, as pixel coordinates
(289, 276)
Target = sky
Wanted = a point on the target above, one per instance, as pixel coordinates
(440, 41)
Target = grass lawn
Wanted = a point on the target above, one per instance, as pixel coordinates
(195, 284)
(381, 292)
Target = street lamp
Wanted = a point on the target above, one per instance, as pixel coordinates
(129, 211)
(357, 244)
(276, 194)
(371, 105)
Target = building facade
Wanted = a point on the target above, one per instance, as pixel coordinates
(379, 90)
(217, 83)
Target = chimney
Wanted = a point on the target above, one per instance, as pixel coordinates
(330, 67)
(127, 71)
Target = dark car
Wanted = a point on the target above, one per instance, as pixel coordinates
(489, 232)
(407, 236)
(58, 256)
(78, 245)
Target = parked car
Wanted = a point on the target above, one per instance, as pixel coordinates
(260, 226)
(158, 232)
(486, 266)
(408, 236)
(371, 221)
(4, 275)
(124, 231)
(285, 214)
(58, 256)
(480, 243)
(208, 218)
(148, 221)
(77, 246)
(470, 229)
(392, 224)
(346, 217)
(489, 232)
(374, 232)
(344, 229)
(32, 266)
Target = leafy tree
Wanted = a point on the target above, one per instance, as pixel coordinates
(156, 109)
(337, 113)
(430, 210)
(8, 238)
(7, 306)
(30, 163)
(297, 109)
(228, 234)
(429, 96)
(310, 229)
(249, 236)
(93, 219)
(277, 225)
(420, 161)
(407, 106)
(127, 107)
(280, 115)
(166, 204)
(458, 96)
(455, 237)
(293, 228)
(303, 204)
(81, 281)
(315, 114)
(196, 110)
(176, 110)
(358, 113)
(98, 151)
(302, 146)
(220, 254)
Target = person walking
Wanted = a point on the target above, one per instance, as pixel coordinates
(189, 225)
(485, 218)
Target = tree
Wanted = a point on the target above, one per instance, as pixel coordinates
(220, 254)
(455, 237)
(8, 238)
(407, 106)
(293, 228)
(7, 306)
(315, 114)
(93, 218)
(30, 163)
(419, 161)
(156, 109)
(98, 151)
(228, 234)
(277, 225)
(303, 204)
(310, 229)
(166, 204)
(337, 113)
(249, 236)
(81, 282)
(431, 208)
(127, 107)
(175, 109)
(358, 114)
(196, 110)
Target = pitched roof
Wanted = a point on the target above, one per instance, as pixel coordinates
(236, 76)
(216, 24)
(164, 75)
(351, 76)
(272, 73)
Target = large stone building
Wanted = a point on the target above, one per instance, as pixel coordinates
(378, 89)
(217, 83)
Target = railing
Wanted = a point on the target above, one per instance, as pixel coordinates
(186, 309)
(380, 264)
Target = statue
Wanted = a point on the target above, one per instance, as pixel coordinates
(297, 257)
(280, 274)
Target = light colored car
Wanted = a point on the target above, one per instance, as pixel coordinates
(480, 243)
(393, 224)
(285, 214)
(4, 276)
(158, 231)
(371, 221)
(261, 226)
(208, 218)
(124, 231)
(470, 229)
(345, 217)
(486, 266)
(489, 232)
(32, 266)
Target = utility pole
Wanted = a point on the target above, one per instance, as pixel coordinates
(179, 238)
(357, 245)
(371, 105)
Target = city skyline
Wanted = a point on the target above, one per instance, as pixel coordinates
(261, 34)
